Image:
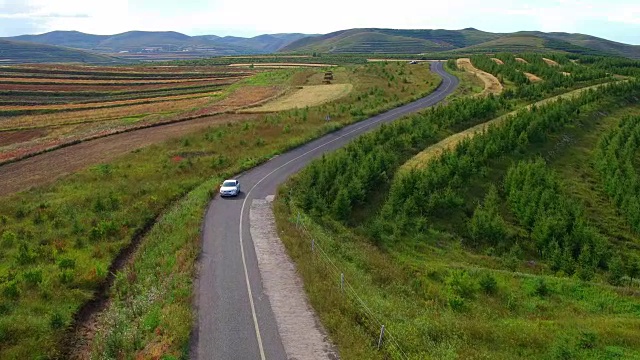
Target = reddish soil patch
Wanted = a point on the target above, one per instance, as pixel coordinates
(46, 168)
(14, 137)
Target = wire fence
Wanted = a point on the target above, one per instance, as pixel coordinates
(386, 341)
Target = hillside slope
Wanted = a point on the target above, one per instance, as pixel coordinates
(24, 52)
(162, 41)
(467, 40)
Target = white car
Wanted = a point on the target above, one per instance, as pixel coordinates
(230, 188)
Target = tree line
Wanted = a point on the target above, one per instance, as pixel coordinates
(336, 183)
(616, 159)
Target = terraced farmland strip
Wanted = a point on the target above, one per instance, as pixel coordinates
(98, 105)
(53, 81)
(120, 75)
(91, 88)
(58, 98)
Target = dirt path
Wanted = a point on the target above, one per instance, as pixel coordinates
(521, 60)
(46, 168)
(532, 77)
(497, 61)
(550, 62)
(422, 159)
(302, 335)
(491, 84)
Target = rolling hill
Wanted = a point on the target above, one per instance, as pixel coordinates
(12, 52)
(467, 40)
(162, 41)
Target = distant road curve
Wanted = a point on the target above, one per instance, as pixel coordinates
(235, 320)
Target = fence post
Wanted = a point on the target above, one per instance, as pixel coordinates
(342, 282)
(381, 336)
(298, 220)
(313, 245)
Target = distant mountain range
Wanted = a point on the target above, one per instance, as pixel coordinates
(140, 45)
(468, 40)
(74, 46)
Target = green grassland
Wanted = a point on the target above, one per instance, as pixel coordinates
(58, 242)
(508, 247)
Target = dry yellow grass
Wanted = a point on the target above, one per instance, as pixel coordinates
(422, 159)
(532, 77)
(497, 61)
(491, 84)
(550, 62)
(303, 97)
(521, 60)
(279, 65)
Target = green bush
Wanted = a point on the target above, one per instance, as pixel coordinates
(461, 283)
(56, 320)
(488, 284)
(11, 290)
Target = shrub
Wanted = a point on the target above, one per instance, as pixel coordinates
(33, 277)
(488, 284)
(456, 303)
(67, 264)
(541, 288)
(459, 282)
(56, 320)
(11, 290)
(8, 239)
(588, 340)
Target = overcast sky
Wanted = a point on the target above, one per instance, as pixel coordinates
(617, 20)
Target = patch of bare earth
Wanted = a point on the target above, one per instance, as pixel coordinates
(532, 77)
(491, 84)
(550, 62)
(302, 335)
(13, 137)
(521, 60)
(46, 168)
(497, 61)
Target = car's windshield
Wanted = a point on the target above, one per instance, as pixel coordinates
(229, 183)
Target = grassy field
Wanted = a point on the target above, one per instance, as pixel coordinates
(443, 291)
(59, 241)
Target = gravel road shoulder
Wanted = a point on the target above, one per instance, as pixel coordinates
(302, 335)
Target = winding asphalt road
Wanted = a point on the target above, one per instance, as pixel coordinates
(235, 320)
